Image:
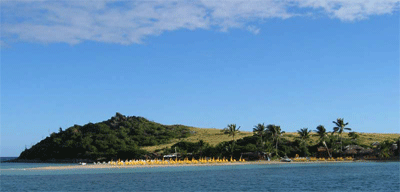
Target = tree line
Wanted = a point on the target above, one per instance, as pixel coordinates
(270, 141)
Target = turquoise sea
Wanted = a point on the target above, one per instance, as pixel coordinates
(287, 177)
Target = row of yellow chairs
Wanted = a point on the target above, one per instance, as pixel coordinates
(302, 159)
(170, 162)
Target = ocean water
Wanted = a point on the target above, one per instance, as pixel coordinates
(286, 177)
(18, 166)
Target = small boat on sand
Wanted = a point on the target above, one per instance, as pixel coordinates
(286, 159)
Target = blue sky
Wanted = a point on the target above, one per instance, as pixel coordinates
(292, 63)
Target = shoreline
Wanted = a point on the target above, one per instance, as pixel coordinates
(107, 166)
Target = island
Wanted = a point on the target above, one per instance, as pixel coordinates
(136, 141)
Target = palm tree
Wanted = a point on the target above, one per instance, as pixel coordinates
(304, 136)
(321, 133)
(275, 133)
(340, 127)
(259, 130)
(231, 130)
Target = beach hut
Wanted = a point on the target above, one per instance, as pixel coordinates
(172, 156)
(323, 152)
(353, 150)
(350, 152)
(366, 152)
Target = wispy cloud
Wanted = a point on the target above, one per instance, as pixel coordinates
(127, 22)
(255, 30)
(351, 10)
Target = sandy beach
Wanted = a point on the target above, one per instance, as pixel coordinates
(107, 166)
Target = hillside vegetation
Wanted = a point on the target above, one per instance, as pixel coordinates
(119, 136)
(136, 137)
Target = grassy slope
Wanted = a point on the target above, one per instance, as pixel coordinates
(214, 136)
(211, 136)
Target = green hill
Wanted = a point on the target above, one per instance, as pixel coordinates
(119, 136)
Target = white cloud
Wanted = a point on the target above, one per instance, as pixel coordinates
(127, 22)
(351, 10)
(253, 29)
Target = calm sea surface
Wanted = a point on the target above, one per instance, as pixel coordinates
(287, 177)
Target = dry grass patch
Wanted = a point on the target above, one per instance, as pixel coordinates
(215, 136)
(208, 135)
(369, 138)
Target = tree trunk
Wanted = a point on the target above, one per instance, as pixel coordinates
(341, 145)
(233, 145)
(276, 147)
(327, 149)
